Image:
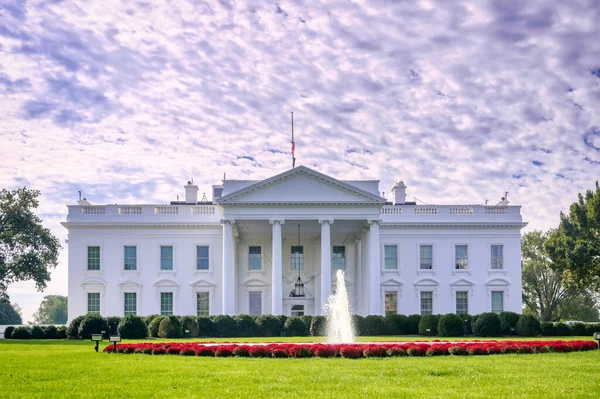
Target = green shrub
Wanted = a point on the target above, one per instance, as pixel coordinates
(148, 319)
(548, 329)
(282, 318)
(112, 324)
(307, 320)
(154, 326)
(50, 332)
(8, 332)
(189, 323)
(73, 329)
(373, 325)
(412, 324)
(488, 325)
(578, 329)
(395, 324)
(528, 326)
(92, 324)
(225, 326)
(429, 322)
(451, 325)
(268, 326)
(590, 329)
(133, 327)
(562, 329)
(169, 327)
(245, 326)
(37, 332)
(206, 327)
(318, 326)
(295, 327)
(509, 320)
(21, 333)
(358, 323)
(61, 332)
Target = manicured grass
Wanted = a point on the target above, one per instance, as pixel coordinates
(58, 369)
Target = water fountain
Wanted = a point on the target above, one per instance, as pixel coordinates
(339, 326)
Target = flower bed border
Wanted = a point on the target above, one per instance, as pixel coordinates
(354, 350)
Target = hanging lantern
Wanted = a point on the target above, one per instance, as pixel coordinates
(299, 286)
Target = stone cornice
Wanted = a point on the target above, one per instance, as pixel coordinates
(453, 225)
(96, 225)
(301, 204)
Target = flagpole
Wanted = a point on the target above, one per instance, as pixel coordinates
(293, 143)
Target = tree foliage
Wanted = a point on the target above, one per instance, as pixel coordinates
(53, 310)
(27, 249)
(574, 246)
(544, 293)
(9, 313)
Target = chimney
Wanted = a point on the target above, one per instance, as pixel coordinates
(399, 193)
(191, 193)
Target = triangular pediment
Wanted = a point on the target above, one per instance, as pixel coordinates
(462, 282)
(301, 185)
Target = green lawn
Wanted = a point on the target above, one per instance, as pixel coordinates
(59, 369)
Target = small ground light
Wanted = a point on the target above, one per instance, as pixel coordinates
(428, 331)
(597, 338)
(97, 338)
(187, 333)
(114, 339)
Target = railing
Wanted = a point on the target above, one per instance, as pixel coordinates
(426, 210)
(449, 210)
(391, 210)
(461, 210)
(202, 210)
(166, 210)
(496, 210)
(93, 210)
(130, 210)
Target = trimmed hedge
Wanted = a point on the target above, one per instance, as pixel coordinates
(169, 327)
(189, 323)
(50, 332)
(318, 326)
(268, 326)
(295, 327)
(358, 322)
(451, 325)
(73, 329)
(246, 326)
(373, 325)
(8, 332)
(37, 332)
(112, 324)
(412, 324)
(395, 324)
(206, 326)
(92, 324)
(133, 327)
(225, 326)
(528, 326)
(21, 333)
(509, 321)
(154, 326)
(548, 329)
(488, 325)
(429, 322)
(562, 329)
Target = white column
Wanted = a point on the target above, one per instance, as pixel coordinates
(228, 284)
(358, 273)
(325, 262)
(277, 273)
(374, 268)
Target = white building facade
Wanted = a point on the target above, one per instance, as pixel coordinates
(243, 252)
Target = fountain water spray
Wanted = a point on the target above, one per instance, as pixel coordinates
(339, 326)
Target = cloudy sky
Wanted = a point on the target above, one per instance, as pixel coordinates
(462, 100)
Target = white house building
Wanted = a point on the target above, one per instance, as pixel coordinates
(245, 251)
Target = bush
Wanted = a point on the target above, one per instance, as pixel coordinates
(73, 329)
(245, 326)
(92, 324)
(61, 332)
(206, 327)
(50, 332)
(295, 327)
(373, 325)
(169, 327)
(189, 323)
(528, 326)
(8, 332)
(509, 320)
(562, 329)
(395, 324)
(154, 326)
(282, 319)
(578, 329)
(268, 326)
(548, 329)
(488, 325)
(412, 324)
(148, 319)
(429, 322)
(21, 333)
(318, 326)
(112, 324)
(451, 325)
(133, 327)
(590, 329)
(225, 326)
(37, 332)
(307, 320)
(358, 323)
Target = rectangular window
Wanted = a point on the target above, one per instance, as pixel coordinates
(166, 258)
(462, 302)
(297, 258)
(297, 310)
(93, 258)
(497, 260)
(497, 301)
(130, 257)
(130, 303)
(93, 299)
(166, 303)
(461, 257)
(426, 303)
(339, 258)
(202, 303)
(390, 257)
(391, 302)
(426, 257)
(255, 303)
(254, 258)
(202, 257)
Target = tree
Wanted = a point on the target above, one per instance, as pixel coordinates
(27, 249)
(574, 246)
(9, 313)
(53, 310)
(544, 293)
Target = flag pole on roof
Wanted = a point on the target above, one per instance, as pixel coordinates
(293, 143)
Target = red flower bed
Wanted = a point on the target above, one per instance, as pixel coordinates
(352, 351)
